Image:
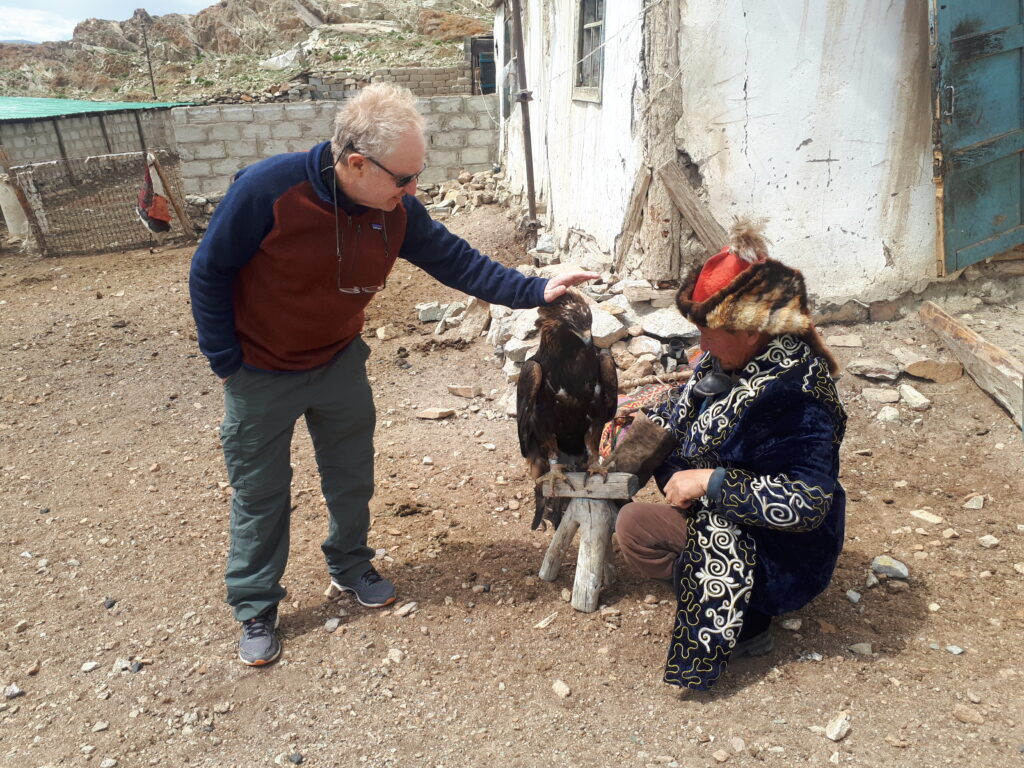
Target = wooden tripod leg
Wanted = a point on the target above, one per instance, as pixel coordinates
(561, 541)
(595, 544)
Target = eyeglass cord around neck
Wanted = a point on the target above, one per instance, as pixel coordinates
(337, 239)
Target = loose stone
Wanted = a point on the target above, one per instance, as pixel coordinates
(407, 609)
(839, 727)
(12, 691)
(928, 517)
(879, 395)
(888, 414)
(969, 715)
(873, 369)
(914, 399)
(883, 565)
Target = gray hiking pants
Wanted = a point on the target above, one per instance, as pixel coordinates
(260, 411)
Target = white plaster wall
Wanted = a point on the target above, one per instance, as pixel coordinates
(585, 155)
(816, 115)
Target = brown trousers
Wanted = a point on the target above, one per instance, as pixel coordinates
(651, 536)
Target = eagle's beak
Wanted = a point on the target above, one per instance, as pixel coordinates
(585, 336)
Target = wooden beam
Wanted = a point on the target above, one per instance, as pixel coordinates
(993, 368)
(186, 224)
(1016, 254)
(692, 208)
(580, 485)
(634, 213)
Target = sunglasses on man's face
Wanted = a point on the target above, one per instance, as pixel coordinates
(400, 181)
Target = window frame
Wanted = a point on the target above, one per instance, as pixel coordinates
(590, 93)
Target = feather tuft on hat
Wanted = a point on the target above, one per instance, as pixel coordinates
(747, 240)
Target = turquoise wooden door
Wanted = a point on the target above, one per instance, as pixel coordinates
(977, 48)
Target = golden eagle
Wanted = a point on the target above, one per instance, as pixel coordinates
(566, 393)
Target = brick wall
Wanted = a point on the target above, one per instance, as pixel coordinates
(35, 141)
(215, 141)
(424, 81)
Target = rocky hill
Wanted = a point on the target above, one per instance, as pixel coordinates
(247, 45)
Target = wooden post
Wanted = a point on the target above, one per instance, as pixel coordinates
(523, 97)
(592, 509)
(634, 213)
(186, 223)
(993, 368)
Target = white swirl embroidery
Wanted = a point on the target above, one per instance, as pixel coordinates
(785, 503)
(723, 577)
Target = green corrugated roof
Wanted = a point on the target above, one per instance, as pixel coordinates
(24, 108)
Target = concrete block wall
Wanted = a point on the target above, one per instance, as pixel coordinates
(215, 141)
(35, 141)
(461, 135)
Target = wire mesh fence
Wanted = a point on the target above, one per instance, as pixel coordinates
(90, 205)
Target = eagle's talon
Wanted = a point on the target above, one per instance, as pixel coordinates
(557, 472)
(598, 469)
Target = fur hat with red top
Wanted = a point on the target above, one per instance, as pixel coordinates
(741, 289)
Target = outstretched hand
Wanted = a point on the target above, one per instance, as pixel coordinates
(560, 284)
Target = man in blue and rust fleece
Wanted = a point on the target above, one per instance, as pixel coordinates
(294, 253)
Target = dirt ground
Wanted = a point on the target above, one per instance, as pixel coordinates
(115, 519)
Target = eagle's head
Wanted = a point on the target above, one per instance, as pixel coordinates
(570, 312)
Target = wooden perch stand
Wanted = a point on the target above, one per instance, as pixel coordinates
(591, 508)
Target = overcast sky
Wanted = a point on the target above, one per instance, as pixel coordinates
(24, 19)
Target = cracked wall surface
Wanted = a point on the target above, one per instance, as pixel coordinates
(815, 115)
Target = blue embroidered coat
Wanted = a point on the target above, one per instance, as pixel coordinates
(772, 529)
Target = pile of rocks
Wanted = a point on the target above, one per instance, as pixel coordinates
(199, 208)
(638, 323)
(909, 363)
(293, 91)
(468, 191)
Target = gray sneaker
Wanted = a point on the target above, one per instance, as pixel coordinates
(259, 644)
(371, 589)
(758, 645)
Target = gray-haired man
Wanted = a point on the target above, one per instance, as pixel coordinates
(293, 255)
